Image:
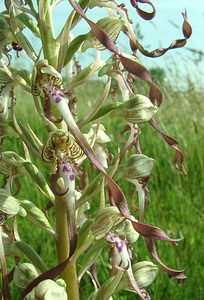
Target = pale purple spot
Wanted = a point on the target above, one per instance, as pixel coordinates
(119, 246)
(66, 169)
(54, 94)
(58, 99)
(71, 177)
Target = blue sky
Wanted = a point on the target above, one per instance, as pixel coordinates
(157, 33)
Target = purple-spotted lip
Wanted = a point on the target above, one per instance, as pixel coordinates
(58, 99)
(66, 169)
(71, 177)
(119, 245)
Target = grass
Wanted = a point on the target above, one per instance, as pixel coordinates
(176, 201)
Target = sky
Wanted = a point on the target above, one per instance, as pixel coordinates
(159, 32)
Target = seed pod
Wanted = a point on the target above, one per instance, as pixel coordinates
(106, 219)
(111, 25)
(144, 272)
(24, 274)
(138, 109)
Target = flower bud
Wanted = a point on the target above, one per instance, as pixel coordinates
(125, 229)
(8, 204)
(138, 109)
(137, 166)
(100, 132)
(24, 274)
(144, 272)
(48, 290)
(111, 25)
(105, 220)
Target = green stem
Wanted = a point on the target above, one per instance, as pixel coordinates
(50, 47)
(72, 283)
(69, 274)
(61, 230)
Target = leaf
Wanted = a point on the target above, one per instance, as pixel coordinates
(91, 256)
(84, 75)
(108, 288)
(73, 47)
(83, 4)
(37, 216)
(85, 238)
(96, 107)
(105, 110)
(28, 21)
(32, 255)
(39, 179)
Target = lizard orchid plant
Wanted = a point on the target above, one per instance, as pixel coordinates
(84, 227)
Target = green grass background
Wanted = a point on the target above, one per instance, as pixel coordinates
(176, 201)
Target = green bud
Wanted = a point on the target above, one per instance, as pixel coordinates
(111, 25)
(24, 274)
(48, 290)
(8, 204)
(137, 166)
(22, 212)
(144, 272)
(125, 229)
(138, 109)
(105, 220)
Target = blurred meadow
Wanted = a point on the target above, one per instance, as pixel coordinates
(175, 200)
